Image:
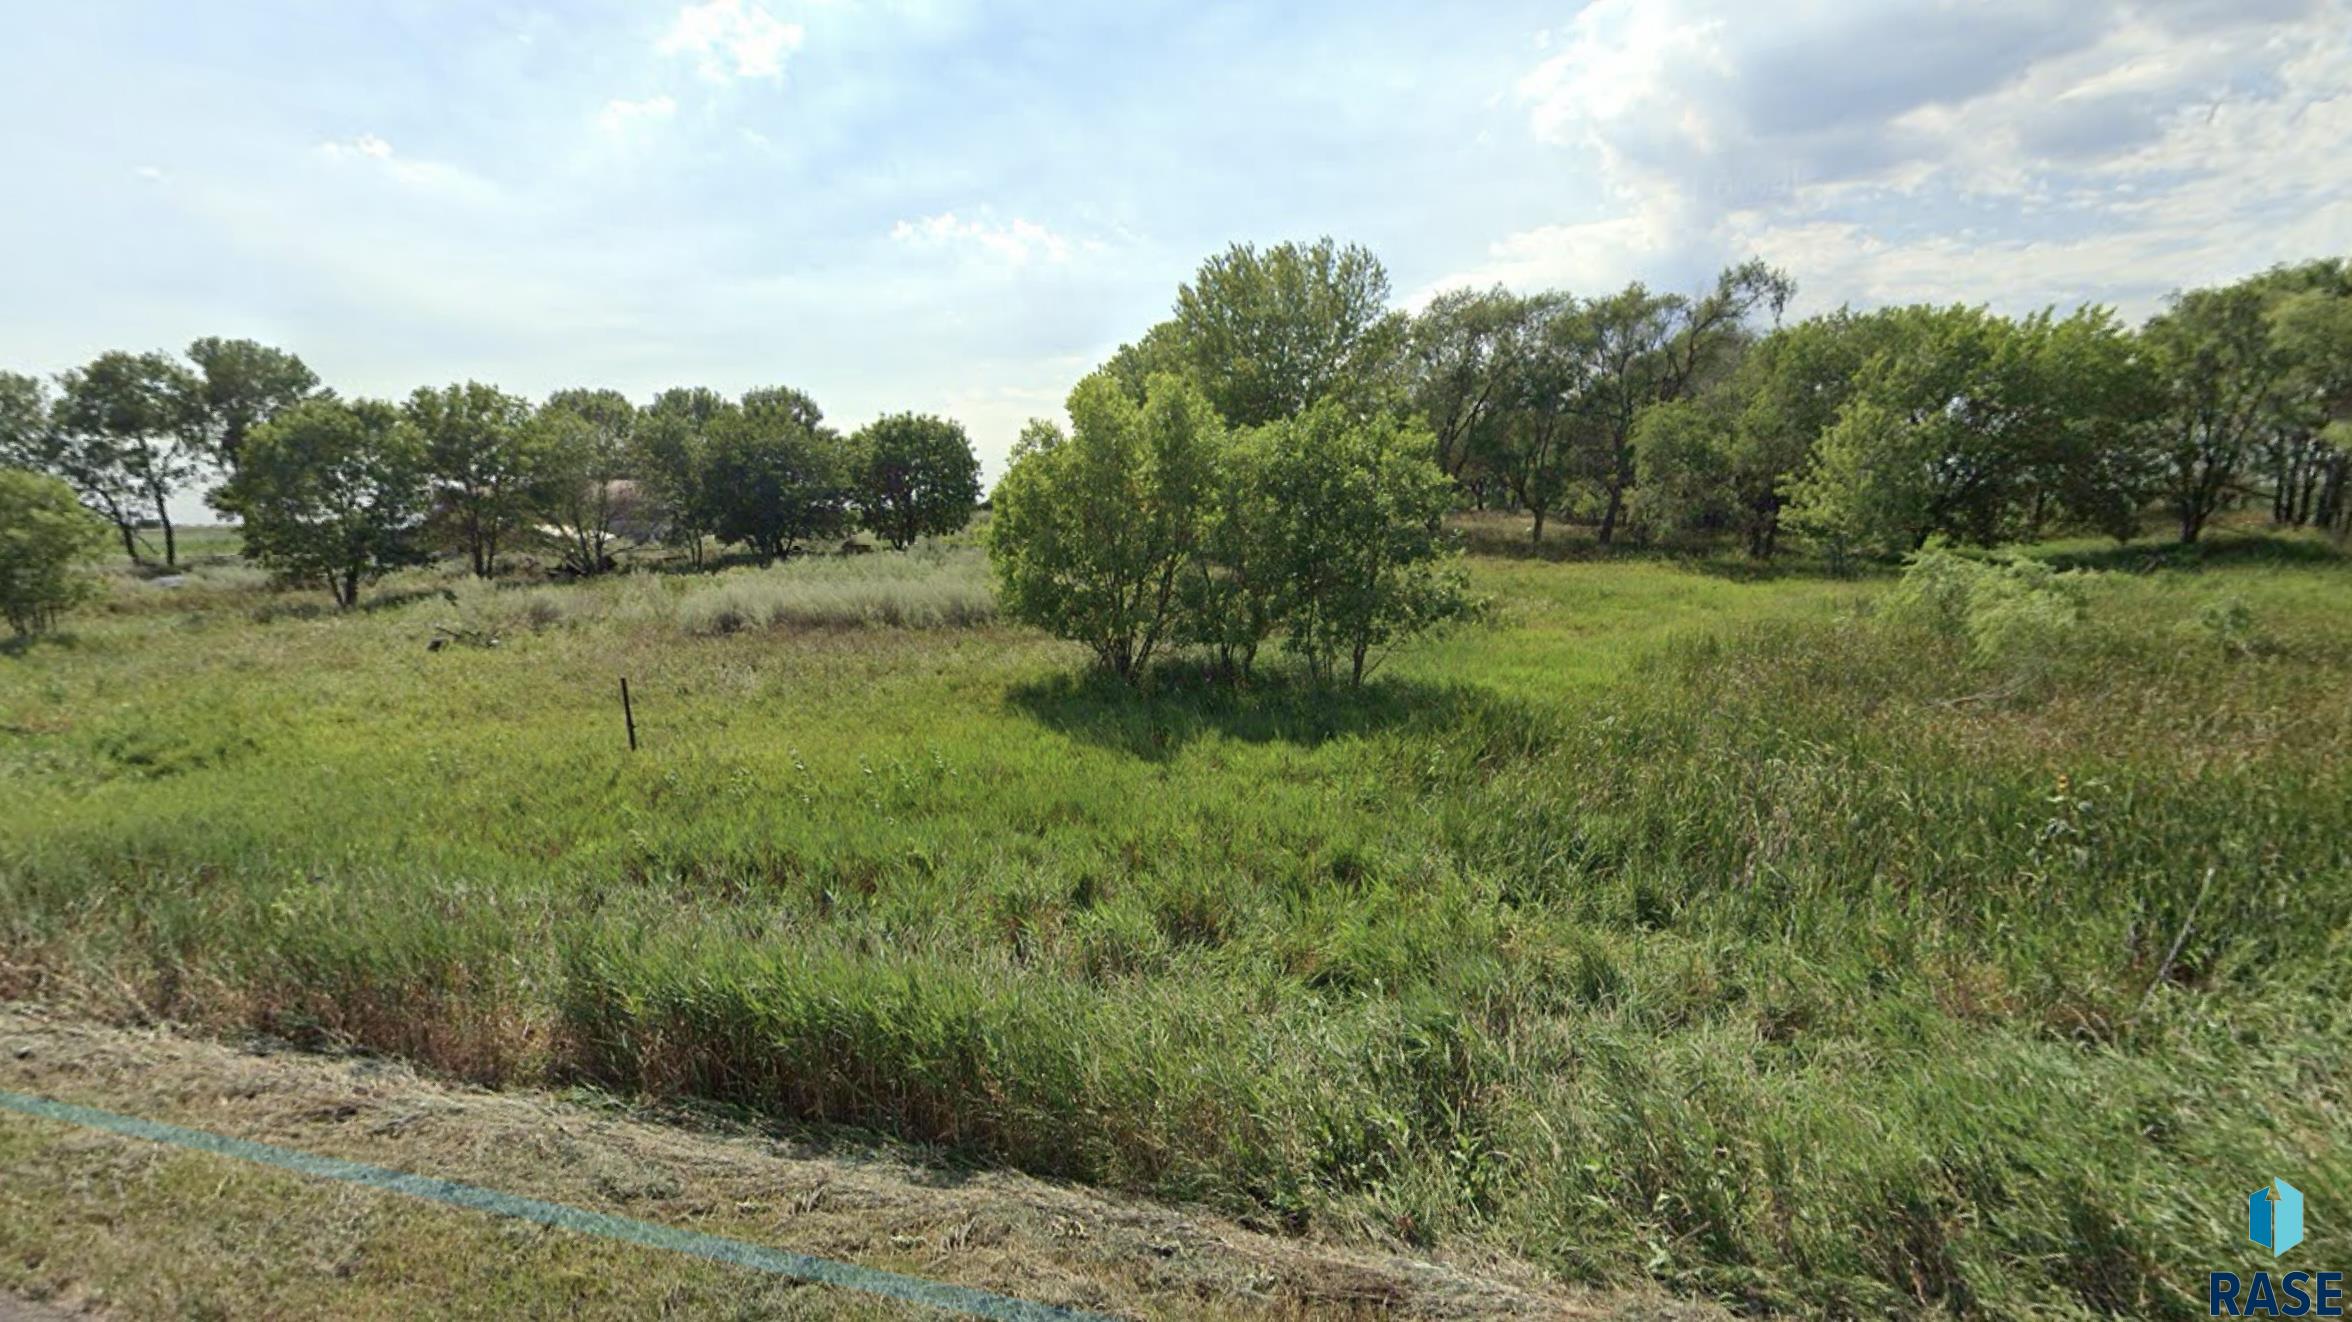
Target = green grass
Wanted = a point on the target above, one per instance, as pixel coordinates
(1677, 922)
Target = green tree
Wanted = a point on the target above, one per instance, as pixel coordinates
(128, 435)
(44, 536)
(915, 476)
(585, 446)
(669, 454)
(1546, 440)
(1360, 541)
(484, 460)
(1093, 533)
(2219, 369)
(1462, 363)
(773, 475)
(2311, 330)
(333, 493)
(1268, 334)
(1934, 439)
(239, 385)
(1644, 348)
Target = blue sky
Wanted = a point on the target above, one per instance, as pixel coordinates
(959, 208)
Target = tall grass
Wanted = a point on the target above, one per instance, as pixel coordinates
(1741, 936)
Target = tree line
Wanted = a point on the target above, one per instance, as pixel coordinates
(1871, 432)
(335, 492)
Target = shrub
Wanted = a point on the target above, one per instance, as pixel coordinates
(44, 534)
(2015, 610)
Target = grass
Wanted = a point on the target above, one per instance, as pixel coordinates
(1674, 925)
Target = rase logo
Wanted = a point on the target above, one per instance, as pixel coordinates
(2274, 1219)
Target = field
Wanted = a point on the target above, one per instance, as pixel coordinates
(1673, 924)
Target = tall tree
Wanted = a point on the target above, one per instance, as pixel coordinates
(669, 454)
(1650, 348)
(2219, 370)
(773, 475)
(1268, 334)
(129, 435)
(332, 493)
(585, 444)
(239, 385)
(483, 458)
(913, 476)
(1462, 361)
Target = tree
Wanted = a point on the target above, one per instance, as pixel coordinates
(1093, 533)
(669, 454)
(1545, 440)
(2311, 329)
(773, 475)
(2218, 369)
(484, 460)
(1649, 348)
(1463, 357)
(584, 443)
(914, 476)
(1267, 334)
(128, 436)
(44, 536)
(1939, 436)
(239, 386)
(1359, 538)
(333, 493)
(33, 437)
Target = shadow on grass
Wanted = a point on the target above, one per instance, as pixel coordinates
(2271, 550)
(1180, 703)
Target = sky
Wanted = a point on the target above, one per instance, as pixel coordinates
(960, 208)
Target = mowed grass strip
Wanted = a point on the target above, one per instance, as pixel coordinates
(1675, 924)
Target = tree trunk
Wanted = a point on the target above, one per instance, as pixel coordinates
(130, 536)
(1610, 515)
(171, 546)
(1536, 538)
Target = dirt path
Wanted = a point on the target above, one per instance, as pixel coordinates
(96, 1224)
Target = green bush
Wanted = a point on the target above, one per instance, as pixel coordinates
(44, 536)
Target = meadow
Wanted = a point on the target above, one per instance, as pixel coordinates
(1670, 922)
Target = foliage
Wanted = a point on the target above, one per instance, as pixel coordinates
(1091, 534)
(2017, 612)
(44, 536)
(1357, 538)
(773, 475)
(484, 460)
(126, 436)
(239, 385)
(914, 476)
(332, 493)
(669, 453)
(584, 443)
(1268, 334)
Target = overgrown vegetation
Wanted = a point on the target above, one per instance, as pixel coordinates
(1777, 939)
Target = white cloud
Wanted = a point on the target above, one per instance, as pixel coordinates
(2110, 149)
(732, 39)
(1014, 243)
(619, 116)
(366, 144)
(151, 173)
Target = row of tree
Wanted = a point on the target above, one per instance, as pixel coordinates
(1874, 431)
(336, 492)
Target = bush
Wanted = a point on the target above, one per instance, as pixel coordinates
(2014, 610)
(44, 534)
